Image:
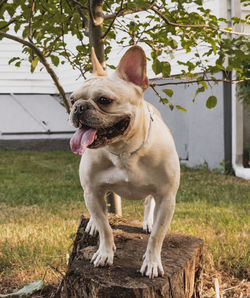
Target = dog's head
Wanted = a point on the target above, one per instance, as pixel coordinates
(106, 108)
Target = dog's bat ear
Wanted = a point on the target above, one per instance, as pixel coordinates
(133, 67)
(97, 68)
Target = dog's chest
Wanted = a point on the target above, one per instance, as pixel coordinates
(127, 179)
(122, 161)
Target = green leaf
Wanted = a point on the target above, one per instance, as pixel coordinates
(11, 10)
(213, 44)
(28, 289)
(142, 3)
(211, 102)
(79, 48)
(13, 59)
(157, 66)
(204, 84)
(173, 43)
(199, 90)
(17, 26)
(17, 64)
(34, 64)
(164, 101)
(111, 66)
(171, 106)
(55, 60)
(166, 69)
(181, 108)
(25, 32)
(168, 92)
(3, 23)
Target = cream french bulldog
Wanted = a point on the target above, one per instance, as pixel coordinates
(126, 149)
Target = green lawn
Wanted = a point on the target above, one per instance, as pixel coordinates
(41, 202)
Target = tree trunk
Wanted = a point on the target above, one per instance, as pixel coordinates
(96, 41)
(95, 29)
(181, 259)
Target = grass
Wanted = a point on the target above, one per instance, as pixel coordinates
(41, 202)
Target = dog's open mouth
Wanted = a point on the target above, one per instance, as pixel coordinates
(93, 138)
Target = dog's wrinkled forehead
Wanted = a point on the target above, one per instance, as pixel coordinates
(111, 87)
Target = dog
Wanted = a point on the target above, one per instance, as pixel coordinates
(126, 149)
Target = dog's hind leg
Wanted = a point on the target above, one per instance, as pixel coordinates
(96, 205)
(148, 220)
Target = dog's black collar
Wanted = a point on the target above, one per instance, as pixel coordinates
(144, 141)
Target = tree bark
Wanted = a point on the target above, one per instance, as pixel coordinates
(181, 259)
(95, 29)
(96, 41)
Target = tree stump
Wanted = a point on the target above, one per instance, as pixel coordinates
(181, 260)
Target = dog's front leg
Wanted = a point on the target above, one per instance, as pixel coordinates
(96, 205)
(164, 210)
(91, 227)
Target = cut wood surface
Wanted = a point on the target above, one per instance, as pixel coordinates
(181, 260)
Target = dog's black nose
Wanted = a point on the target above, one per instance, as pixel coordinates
(82, 107)
(79, 108)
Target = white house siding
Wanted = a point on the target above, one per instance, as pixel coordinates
(33, 121)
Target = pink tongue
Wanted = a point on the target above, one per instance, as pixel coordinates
(81, 139)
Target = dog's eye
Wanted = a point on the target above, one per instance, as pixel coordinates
(104, 101)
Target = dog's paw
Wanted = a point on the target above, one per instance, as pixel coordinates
(152, 267)
(103, 257)
(147, 226)
(91, 228)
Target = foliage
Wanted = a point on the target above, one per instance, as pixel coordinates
(166, 27)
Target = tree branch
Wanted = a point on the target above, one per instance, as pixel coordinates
(44, 61)
(80, 4)
(123, 13)
(91, 17)
(96, 12)
(231, 32)
(112, 22)
(95, 29)
(32, 8)
(82, 15)
(131, 11)
(84, 18)
(178, 25)
(196, 25)
(169, 50)
(152, 85)
(7, 25)
(156, 92)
